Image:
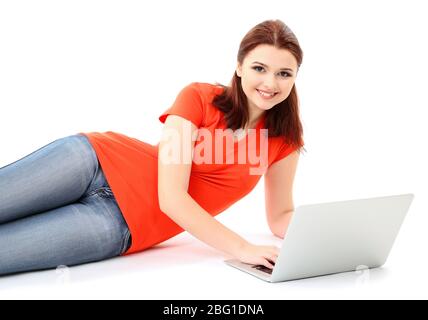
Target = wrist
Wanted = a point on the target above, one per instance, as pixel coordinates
(240, 247)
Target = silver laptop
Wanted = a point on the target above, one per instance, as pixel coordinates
(335, 237)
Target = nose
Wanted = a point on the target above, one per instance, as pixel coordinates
(270, 84)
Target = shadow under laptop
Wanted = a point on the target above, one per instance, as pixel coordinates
(360, 278)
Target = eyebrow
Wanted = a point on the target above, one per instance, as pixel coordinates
(288, 69)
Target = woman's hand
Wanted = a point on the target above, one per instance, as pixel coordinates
(258, 255)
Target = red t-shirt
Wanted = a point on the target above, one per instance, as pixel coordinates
(130, 167)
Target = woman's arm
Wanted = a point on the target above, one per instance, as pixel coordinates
(174, 200)
(280, 225)
(189, 215)
(279, 193)
(176, 203)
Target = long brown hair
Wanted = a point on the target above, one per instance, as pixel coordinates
(281, 120)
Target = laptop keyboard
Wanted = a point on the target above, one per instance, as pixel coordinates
(263, 268)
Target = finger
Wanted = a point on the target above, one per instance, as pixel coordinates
(275, 250)
(273, 254)
(271, 257)
(272, 260)
(268, 264)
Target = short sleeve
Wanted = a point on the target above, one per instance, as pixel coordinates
(188, 104)
(284, 150)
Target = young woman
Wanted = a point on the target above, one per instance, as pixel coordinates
(92, 196)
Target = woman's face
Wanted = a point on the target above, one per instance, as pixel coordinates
(277, 75)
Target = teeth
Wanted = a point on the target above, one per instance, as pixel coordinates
(266, 94)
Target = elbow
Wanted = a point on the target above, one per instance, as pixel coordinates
(164, 204)
(279, 225)
(169, 201)
(162, 207)
(276, 231)
(163, 200)
(279, 235)
(275, 228)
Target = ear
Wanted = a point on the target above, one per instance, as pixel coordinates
(238, 70)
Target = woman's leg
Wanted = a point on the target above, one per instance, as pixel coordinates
(53, 176)
(90, 230)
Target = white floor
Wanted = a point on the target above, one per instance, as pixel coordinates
(184, 268)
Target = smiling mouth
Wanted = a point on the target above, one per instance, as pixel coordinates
(266, 95)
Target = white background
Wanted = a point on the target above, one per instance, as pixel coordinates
(72, 66)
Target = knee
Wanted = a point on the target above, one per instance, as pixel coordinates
(79, 150)
(79, 142)
(78, 139)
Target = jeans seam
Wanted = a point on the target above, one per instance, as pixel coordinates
(125, 241)
(107, 193)
(104, 192)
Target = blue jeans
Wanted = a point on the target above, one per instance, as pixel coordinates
(56, 208)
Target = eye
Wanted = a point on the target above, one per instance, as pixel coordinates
(283, 73)
(255, 68)
(286, 74)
